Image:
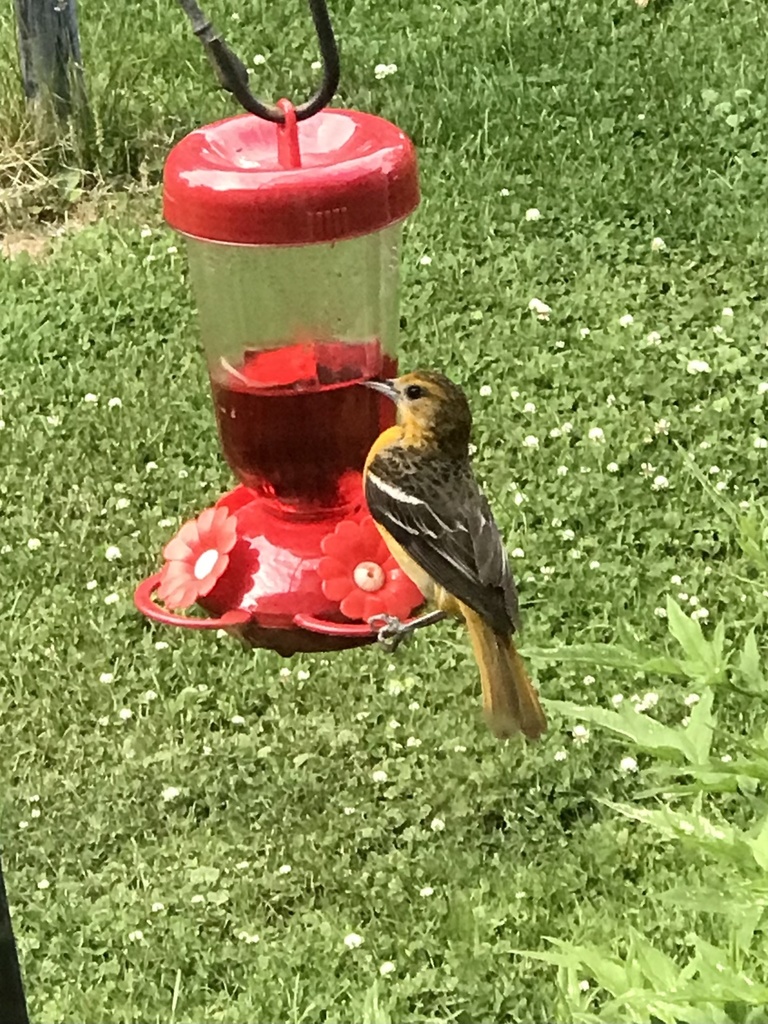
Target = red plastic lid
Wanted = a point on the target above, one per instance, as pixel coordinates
(242, 180)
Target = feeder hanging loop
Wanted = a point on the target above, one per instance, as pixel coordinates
(233, 75)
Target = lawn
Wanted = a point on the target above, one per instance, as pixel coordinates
(192, 832)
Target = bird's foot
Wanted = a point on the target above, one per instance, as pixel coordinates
(390, 631)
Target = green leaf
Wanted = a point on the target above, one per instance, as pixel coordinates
(645, 732)
(688, 634)
(701, 726)
(657, 968)
(204, 876)
(759, 845)
(749, 663)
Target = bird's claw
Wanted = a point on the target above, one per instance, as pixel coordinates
(391, 633)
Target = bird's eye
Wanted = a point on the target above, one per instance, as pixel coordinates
(414, 391)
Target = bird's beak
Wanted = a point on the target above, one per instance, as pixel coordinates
(386, 387)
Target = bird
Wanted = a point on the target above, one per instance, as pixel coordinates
(423, 496)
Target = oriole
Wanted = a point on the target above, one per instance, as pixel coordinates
(437, 523)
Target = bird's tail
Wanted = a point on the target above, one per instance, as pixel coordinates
(510, 701)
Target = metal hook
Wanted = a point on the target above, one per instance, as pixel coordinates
(233, 75)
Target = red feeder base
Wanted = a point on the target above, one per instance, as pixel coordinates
(271, 593)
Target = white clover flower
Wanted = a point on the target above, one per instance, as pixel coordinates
(727, 311)
(150, 466)
(437, 825)
(580, 734)
(529, 407)
(531, 441)
(384, 70)
(584, 332)
(661, 426)
(594, 564)
(700, 614)
(386, 968)
(555, 432)
(504, 192)
(259, 59)
(126, 714)
(627, 320)
(472, 450)
(112, 553)
(760, 442)
(561, 755)
(23, 824)
(379, 775)
(517, 553)
(562, 470)
(660, 483)
(414, 705)
(146, 232)
(588, 680)
(584, 985)
(658, 244)
(33, 543)
(35, 812)
(533, 214)
(726, 758)
(425, 261)
(698, 366)
(721, 485)
(541, 309)
(114, 403)
(316, 65)
(486, 391)
(302, 675)
(547, 570)
(610, 400)
(628, 764)
(169, 793)
(148, 696)
(617, 699)
(122, 503)
(653, 338)
(353, 940)
(107, 677)
(237, 720)
(762, 387)
(171, 250)
(660, 612)
(459, 749)
(90, 398)
(413, 741)
(284, 869)
(136, 936)
(426, 890)
(691, 699)
(612, 467)
(111, 598)
(567, 534)
(566, 428)
(198, 898)
(596, 434)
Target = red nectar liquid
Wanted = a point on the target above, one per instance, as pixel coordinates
(295, 424)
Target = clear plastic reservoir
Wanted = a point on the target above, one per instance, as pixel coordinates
(289, 334)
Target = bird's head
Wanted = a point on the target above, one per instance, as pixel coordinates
(431, 410)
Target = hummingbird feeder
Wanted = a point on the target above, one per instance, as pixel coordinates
(292, 219)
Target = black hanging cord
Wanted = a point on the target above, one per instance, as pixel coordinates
(233, 75)
(13, 1006)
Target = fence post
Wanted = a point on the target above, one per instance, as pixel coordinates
(13, 1006)
(49, 51)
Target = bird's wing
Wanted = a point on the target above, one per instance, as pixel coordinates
(438, 514)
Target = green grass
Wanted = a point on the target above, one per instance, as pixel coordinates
(619, 125)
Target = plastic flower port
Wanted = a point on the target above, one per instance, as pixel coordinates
(359, 572)
(197, 557)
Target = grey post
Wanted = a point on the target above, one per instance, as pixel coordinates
(49, 51)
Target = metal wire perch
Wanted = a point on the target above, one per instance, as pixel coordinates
(233, 75)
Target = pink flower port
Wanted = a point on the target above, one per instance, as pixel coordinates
(358, 571)
(197, 557)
